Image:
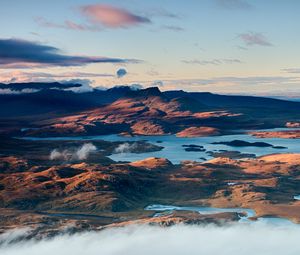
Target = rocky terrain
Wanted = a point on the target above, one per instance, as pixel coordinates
(146, 112)
(289, 134)
(50, 196)
(52, 186)
(52, 111)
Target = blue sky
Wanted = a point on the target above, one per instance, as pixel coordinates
(224, 46)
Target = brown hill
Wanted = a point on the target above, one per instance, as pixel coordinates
(146, 112)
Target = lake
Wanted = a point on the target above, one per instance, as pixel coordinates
(174, 151)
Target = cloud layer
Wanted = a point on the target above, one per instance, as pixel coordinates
(212, 61)
(21, 76)
(257, 238)
(112, 17)
(16, 53)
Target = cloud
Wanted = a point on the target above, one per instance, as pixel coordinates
(20, 76)
(243, 239)
(291, 70)
(234, 4)
(69, 25)
(121, 72)
(80, 153)
(251, 85)
(160, 12)
(253, 38)
(38, 86)
(12, 235)
(173, 28)
(15, 92)
(126, 148)
(237, 81)
(16, 53)
(212, 62)
(157, 84)
(112, 17)
(135, 86)
(85, 85)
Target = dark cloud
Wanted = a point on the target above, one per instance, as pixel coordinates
(234, 4)
(38, 86)
(75, 85)
(253, 38)
(112, 17)
(16, 53)
(121, 73)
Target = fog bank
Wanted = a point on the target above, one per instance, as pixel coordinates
(241, 239)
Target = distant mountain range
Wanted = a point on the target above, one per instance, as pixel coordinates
(144, 111)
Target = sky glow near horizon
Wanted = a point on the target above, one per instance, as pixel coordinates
(223, 46)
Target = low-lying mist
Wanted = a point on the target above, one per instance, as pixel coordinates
(80, 153)
(241, 239)
(126, 148)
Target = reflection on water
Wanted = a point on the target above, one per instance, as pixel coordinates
(297, 197)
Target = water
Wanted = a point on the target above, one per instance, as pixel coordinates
(167, 209)
(202, 210)
(174, 151)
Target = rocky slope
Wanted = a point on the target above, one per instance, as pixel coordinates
(289, 134)
(146, 112)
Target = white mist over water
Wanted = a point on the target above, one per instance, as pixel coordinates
(125, 148)
(80, 153)
(241, 239)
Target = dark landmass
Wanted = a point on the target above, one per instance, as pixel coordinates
(193, 147)
(230, 154)
(53, 110)
(240, 143)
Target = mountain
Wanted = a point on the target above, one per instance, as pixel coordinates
(55, 110)
(55, 100)
(232, 100)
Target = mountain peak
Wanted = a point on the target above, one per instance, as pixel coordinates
(148, 92)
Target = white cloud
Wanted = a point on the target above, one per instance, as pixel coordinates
(257, 238)
(80, 153)
(23, 91)
(125, 148)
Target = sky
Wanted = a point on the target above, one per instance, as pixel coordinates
(222, 46)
